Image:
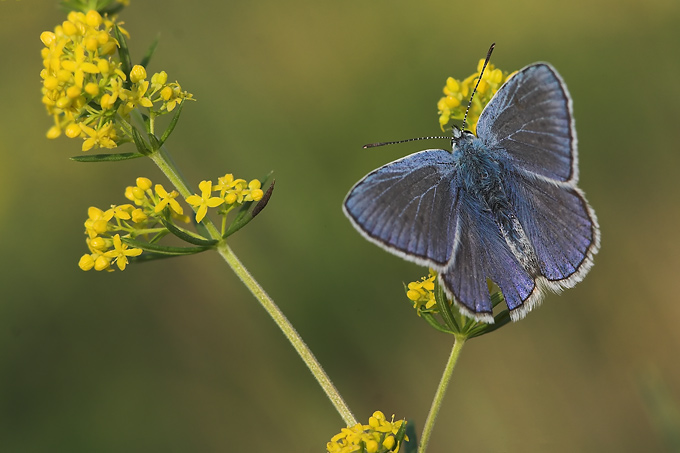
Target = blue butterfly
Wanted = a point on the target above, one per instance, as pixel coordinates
(502, 206)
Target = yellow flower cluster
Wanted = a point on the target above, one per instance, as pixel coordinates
(379, 436)
(233, 192)
(457, 94)
(421, 293)
(104, 228)
(84, 87)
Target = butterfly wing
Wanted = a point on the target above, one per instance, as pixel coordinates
(530, 117)
(562, 229)
(408, 207)
(482, 253)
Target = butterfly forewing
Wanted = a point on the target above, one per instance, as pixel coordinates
(530, 117)
(409, 207)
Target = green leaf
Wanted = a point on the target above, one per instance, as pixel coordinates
(106, 157)
(412, 445)
(445, 308)
(500, 319)
(244, 216)
(158, 236)
(110, 8)
(148, 256)
(187, 235)
(153, 142)
(173, 123)
(124, 53)
(497, 298)
(164, 249)
(149, 53)
(431, 320)
(140, 143)
(264, 200)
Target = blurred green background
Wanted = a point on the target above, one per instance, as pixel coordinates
(177, 356)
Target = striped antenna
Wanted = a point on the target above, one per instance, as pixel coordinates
(374, 145)
(486, 62)
(488, 56)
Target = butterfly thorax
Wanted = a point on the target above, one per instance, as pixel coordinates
(481, 172)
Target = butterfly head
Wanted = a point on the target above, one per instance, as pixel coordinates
(460, 135)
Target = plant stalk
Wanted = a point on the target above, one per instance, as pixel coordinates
(441, 392)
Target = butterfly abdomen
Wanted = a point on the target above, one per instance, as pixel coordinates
(483, 172)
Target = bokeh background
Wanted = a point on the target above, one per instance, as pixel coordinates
(177, 356)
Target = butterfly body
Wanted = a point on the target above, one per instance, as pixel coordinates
(502, 206)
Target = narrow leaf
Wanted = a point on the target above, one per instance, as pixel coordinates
(124, 53)
(149, 256)
(149, 53)
(173, 123)
(187, 235)
(431, 320)
(445, 308)
(264, 200)
(412, 445)
(106, 157)
(164, 249)
(140, 143)
(154, 143)
(244, 216)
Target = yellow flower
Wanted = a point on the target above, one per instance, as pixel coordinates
(86, 262)
(238, 190)
(166, 199)
(102, 137)
(80, 66)
(83, 83)
(172, 95)
(254, 192)
(135, 97)
(123, 212)
(116, 91)
(137, 74)
(379, 436)
(120, 252)
(143, 183)
(421, 293)
(97, 221)
(158, 80)
(96, 259)
(138, 215)
(457, 94)
(204, 201)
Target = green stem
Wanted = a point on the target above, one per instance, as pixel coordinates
(290, 333)
(163, 161)
(441, 391)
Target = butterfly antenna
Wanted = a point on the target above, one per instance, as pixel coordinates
(488, 56)
(375, 145)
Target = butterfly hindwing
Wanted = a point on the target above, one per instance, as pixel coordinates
(408, 207)
(481, 253)
(561, 226)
